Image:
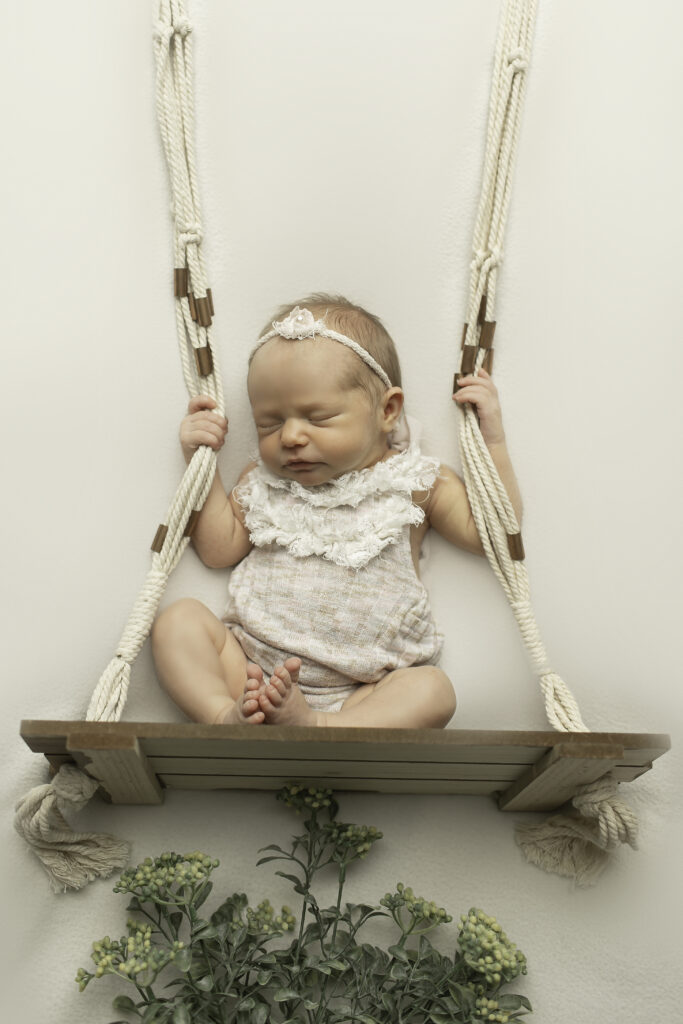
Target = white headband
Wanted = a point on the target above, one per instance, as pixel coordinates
(300, 323)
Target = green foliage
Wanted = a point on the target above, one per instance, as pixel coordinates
(227, 968)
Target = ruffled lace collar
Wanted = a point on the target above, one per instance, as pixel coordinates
(348, 520)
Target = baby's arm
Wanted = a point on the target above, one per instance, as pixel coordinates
(448, 509)
(220, 536)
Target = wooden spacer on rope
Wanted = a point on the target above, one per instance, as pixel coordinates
(180, 282)
(204, 360)
(481, 317)
(469, 359)
(488, 360)
(191, 523)
(516, 547)
(488, 329)
(210, 298)
(193, 308)
(203, 307)
(159, 537)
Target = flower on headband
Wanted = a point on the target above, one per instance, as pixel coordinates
(300, 323)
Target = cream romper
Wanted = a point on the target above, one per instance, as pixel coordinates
(331, 579)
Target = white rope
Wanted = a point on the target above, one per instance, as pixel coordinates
(491, 507)
(72, 859)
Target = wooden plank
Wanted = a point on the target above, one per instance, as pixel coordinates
(425, 786)
(268, 767)
(119, 764)
(354, 743)
(557, 775)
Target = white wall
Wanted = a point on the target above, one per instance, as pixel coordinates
(340, 148)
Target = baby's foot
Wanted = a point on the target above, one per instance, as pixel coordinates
(281, 700)
(246, 709)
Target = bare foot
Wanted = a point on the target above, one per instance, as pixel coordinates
(281, 700)
(246, 710)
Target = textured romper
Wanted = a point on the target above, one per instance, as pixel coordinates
(331, 578)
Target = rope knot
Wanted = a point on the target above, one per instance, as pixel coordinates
(182, 27)
(487, 258)
(616, 821)
(189, 234)
(72, 787)
(518, 60)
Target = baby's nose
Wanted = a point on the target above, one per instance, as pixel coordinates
(293, 432)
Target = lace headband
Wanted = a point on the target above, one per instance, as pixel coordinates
(300, 323)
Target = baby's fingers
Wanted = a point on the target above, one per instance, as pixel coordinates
(199, 402)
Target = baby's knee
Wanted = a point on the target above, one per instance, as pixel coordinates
(176, 620)
(440, 692)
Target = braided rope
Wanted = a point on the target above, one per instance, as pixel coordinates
(491, 507)
(73, 859)
(175, 111)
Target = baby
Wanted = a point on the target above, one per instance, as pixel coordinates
(327, 621)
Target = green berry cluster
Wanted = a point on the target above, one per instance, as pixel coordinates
(161, 878)
(488, 950)
(419, 909)
(262, 921)
(302, 797)
(488, 1009)
(129, 956)
(351, 841)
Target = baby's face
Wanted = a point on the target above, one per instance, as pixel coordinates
(309, 429)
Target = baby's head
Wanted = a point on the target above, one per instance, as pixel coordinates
(320, 410)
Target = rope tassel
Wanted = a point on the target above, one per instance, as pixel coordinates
(71, 859)
(578, 846)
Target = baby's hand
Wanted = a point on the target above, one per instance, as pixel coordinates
(481, 392)
(201, 426)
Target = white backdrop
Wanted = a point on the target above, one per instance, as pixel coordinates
(340, 148)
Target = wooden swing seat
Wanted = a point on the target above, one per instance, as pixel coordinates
(524, 771)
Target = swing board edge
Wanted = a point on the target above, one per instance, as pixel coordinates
(523, 770)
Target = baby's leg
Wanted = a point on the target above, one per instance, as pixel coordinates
(203, 668)
(407, 698)
(421, 697)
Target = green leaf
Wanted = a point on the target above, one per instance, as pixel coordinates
(310, 1004)
(181, 1015)
(260, 1014)
(247, 1004)
(124, 1003)
(263, 977)
(291, 878)
(183, 959)
(285, 993)
(203, 893)
(399, 953)
(510, 1001)
(272, 846)
(337, 965)
(441, 1018)
(151, 1013)
(205, 983)
(398, 972)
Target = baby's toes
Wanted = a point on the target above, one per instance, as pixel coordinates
(254, 672)
(293, 667)
(276, 689)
